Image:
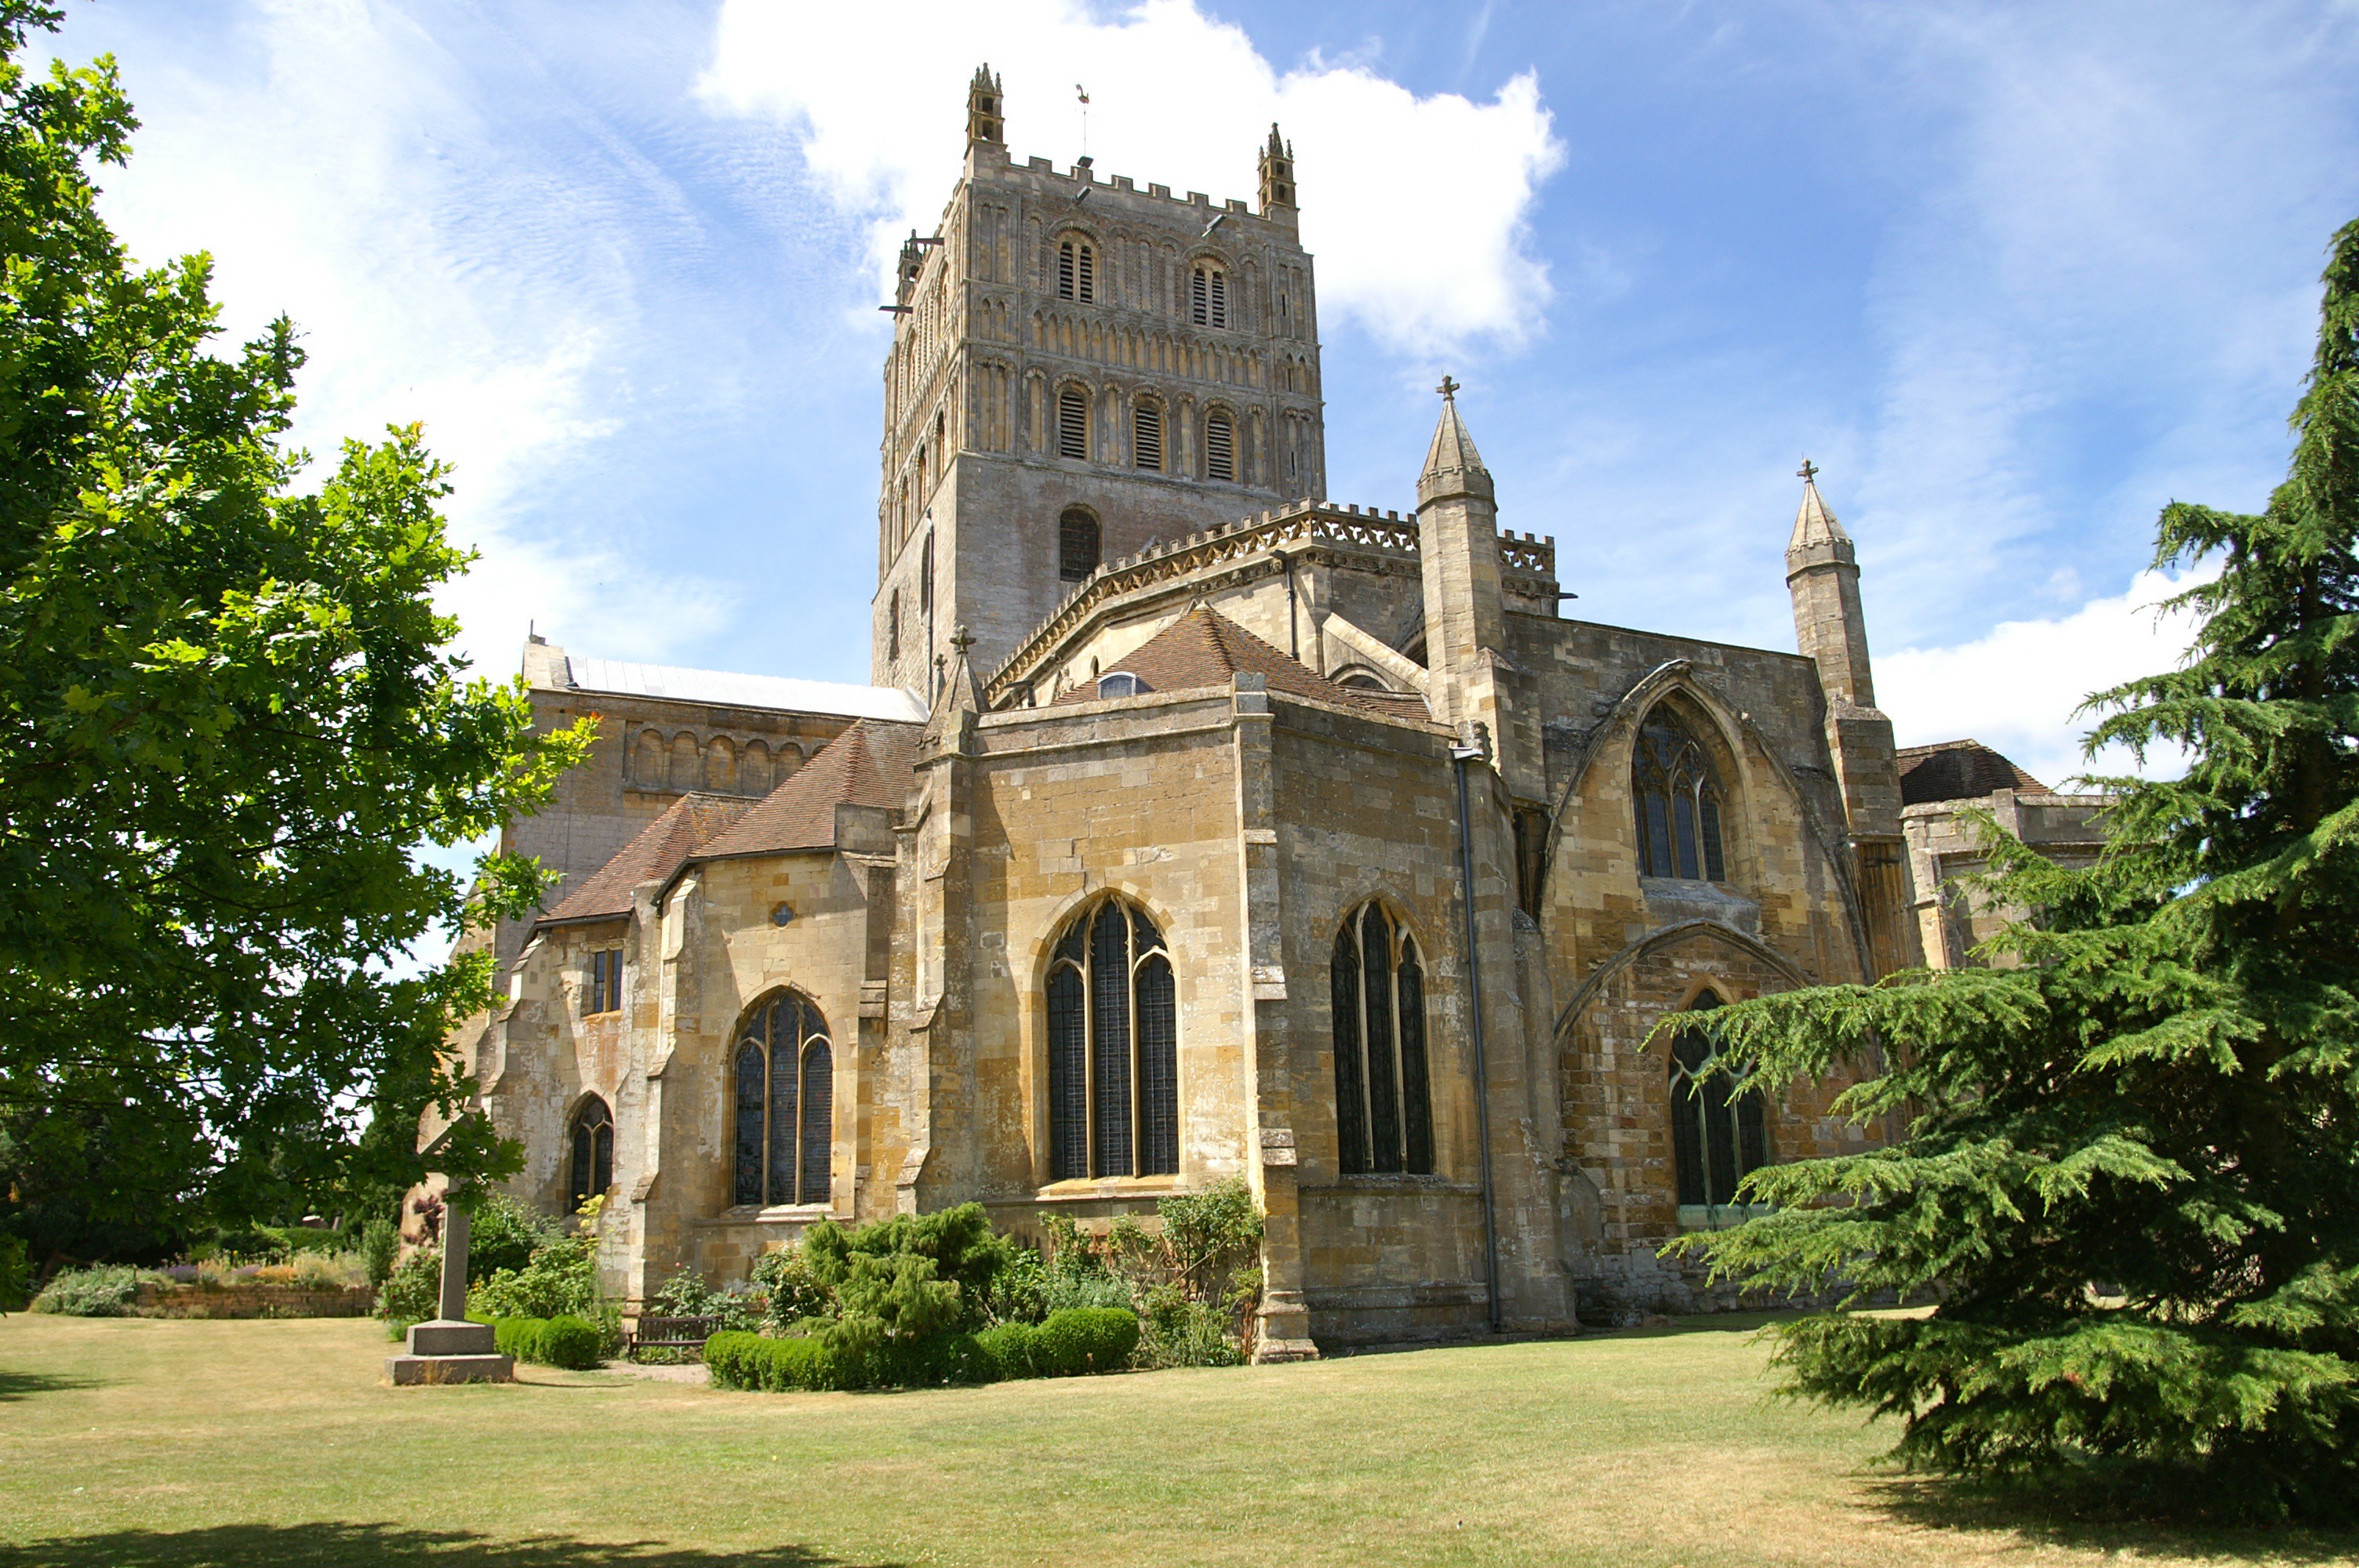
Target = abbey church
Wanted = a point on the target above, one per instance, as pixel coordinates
(1199, 826)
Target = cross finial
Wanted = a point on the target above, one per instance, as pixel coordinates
(1448, 388)
(961, 639)
(1808, 471)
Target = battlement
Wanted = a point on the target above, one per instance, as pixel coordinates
(1528, 570)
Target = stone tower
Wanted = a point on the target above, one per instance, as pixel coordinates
(1079, 368)
(1457, 548)
(1830, 630)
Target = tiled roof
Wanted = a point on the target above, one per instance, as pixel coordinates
(730, 690)
(1205, 648)
(662, 846)
(1958, 770)
(868, 764)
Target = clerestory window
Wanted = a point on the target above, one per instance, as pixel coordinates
(1677, 799)
(1073, 424)
(1718, 1127)
(590, 1162)
(1384, 1110)
(1077, 545)
(784, 1077)
(1114, 1048)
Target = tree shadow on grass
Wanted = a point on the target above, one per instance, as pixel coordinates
(383, 1546)
(2084, 1519)
(17, 1385)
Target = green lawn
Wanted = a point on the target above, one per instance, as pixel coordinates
(127, 1443)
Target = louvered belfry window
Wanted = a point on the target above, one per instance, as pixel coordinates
(591, 1166)
(1220, 448)
(1076, 271)
(1073, 424)
(1208, 297)
(1114, 1048)
(1384, 1103)
(1719, 1129)
(1678, 800)
(1146, 436)
(784, 1074)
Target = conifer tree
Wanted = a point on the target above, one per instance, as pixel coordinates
(2130, 1169)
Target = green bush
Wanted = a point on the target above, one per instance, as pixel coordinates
(1081, 1340)
(686, 1294)
(1013, 1349)
(560, 1278)
(796, 1292)
(566, 1341)
(751, 1361)
(503, 1234)
(959, 1244)
(414, 1291)
(105, 1290)
(380, 1250)
(1176, 1332)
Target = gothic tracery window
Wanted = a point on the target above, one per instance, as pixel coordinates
(1114, 1048)
(1677, 799)
(591, 1146)
(1718, 1129)
(783, 1074)
(1384, 1110)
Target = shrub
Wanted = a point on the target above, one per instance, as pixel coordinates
(959, 1244)
(380, 1250)
(559, 1280)
(105, 1290)
(1013, 1349)
(15, 1273)
(686, 1294)
(796, 1292)
(566, 1341)
(503, 1234)
(1176, 1332)
(415, 1289)
(1080, 1340)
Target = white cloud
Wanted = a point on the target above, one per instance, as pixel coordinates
(339, 165)
(2016, 689)
(1179, 99)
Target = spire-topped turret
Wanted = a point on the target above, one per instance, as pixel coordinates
(1452, 466)
(1277, 173)
(1815, 527)
(984, 121)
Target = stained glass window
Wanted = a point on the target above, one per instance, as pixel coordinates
(1384, 1110)
(1679, 804)
(785, 1102)
(1114, 1048)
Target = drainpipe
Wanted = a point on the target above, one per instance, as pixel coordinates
(1293, 632)
(1461, 756)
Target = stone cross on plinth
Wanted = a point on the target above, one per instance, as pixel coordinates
(449, 1350)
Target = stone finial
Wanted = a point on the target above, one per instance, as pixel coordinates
(984, 120)
(1452, 466)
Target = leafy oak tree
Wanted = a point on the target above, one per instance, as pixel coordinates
(2130, 1177)
(229, 719)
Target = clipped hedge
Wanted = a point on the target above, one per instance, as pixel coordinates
(1073, 1343)
(564, 1341)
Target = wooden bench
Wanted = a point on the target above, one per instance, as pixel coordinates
(670, 1333)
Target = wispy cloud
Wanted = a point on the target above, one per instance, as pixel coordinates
(1179, 98)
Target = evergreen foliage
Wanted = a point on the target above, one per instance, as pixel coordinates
(2130, 1169)
(229, 720)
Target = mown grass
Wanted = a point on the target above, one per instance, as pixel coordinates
(132, 1444)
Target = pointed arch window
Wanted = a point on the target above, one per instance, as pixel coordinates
(1220, 448)
(1073, 424)
(589, 1166)
(1384, 1106)
(1718, 1129)
(784, 1076)
(1678, 800)
(1113, 1055)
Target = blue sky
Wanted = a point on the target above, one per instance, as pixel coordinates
(2014, 275)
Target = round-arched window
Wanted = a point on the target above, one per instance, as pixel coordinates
(1077, 543)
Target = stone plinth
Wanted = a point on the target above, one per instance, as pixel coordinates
(449, 1351)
